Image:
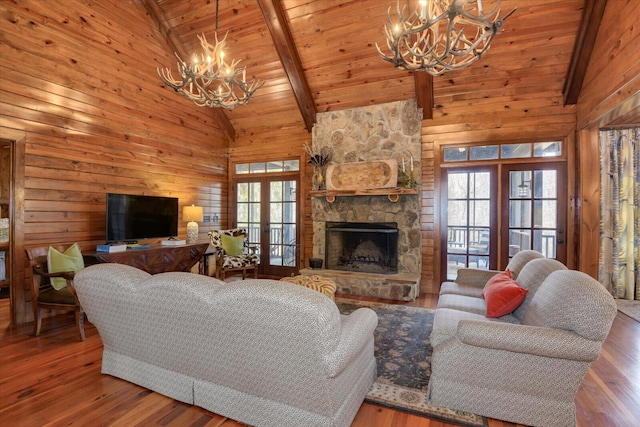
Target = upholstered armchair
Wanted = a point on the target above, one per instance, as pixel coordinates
(44, 295)
(233, 252)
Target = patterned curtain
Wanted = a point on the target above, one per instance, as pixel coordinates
(620, 212)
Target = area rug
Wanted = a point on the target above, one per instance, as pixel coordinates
(403, 355)
(629, 307)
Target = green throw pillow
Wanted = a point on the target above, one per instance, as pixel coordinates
(232, 245)
(70, 260)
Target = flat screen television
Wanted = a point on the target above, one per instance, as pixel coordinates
(131, 217)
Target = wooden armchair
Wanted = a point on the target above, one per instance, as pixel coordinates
(243, 260)
(43, 295)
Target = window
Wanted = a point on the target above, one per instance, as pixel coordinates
(501, 151)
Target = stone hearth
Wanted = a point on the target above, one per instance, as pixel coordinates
(379, 132)
(401, 287)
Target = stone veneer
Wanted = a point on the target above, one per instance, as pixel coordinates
(377, 132)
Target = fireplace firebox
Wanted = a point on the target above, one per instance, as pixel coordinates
(362, 247)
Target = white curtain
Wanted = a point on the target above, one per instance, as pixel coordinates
(620, 212)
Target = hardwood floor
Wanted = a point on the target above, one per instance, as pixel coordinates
(55, 379)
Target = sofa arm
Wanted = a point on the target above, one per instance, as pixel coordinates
(357, 330)
(545, 342)
(474, 276)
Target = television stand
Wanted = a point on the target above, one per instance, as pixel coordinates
(157, 258)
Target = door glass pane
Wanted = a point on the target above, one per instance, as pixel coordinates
(248, 211)
(480, 186)
(282, 223)
(519, 240)
(243, 213)
(545, 184)
(478, 212)
(289, 192)
(544, 241)
(243, 192)
(544, 213)
(289, 245)
(457, 213)
(468, 221)
(520, 213)
(520, 184)
(457, 186)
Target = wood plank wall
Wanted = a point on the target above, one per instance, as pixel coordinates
(612, 77)
(80, 83)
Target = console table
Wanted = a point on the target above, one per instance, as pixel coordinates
(156, 259)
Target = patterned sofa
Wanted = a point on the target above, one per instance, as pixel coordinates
(263, 352)
(524, 367)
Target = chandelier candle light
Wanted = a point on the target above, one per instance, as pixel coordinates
(440, 35)
(209, 80)
(192, 214)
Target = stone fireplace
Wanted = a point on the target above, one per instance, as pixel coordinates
(379, 132)
(362, 247)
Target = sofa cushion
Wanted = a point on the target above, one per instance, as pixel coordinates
(573, 301)
(461, 289)
(57, 262)
(521, 259)
(463, 302)
(502, 295)
(532, 276)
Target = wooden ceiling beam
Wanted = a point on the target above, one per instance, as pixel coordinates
(585, 40)
(424, 93)
(176, 45)
(276, 20)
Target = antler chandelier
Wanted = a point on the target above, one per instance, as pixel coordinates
(440, 35)
(209, 80)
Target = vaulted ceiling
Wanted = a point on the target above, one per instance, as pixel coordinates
(318, 56)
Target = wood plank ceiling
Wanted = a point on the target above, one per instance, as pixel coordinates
(331, 63)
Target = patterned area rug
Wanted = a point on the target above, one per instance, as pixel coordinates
(629, 307)
(403, 354)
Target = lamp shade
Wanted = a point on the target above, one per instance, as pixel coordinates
(192, 213)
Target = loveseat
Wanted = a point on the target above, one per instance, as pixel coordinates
(524, 367)
(263, 352)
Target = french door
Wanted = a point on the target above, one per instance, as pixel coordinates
(535, 210)
(268, 208)
(490, 213)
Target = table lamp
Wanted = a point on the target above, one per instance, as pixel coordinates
(192, 214)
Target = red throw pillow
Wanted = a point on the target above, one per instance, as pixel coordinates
(502, 294)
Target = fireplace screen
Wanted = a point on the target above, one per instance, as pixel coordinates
(362, 247)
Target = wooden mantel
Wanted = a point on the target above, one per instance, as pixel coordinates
(392, 193)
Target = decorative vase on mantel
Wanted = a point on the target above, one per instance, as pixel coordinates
(318, 178)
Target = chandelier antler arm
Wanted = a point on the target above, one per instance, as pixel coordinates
(209, 80)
